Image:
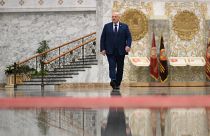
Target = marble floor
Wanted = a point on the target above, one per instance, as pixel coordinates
(104, 122)
(88, 92)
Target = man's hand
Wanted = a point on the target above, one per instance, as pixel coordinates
(103, 52)
(127, 49)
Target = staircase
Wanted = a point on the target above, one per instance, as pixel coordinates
(67, 64)
(59, 75)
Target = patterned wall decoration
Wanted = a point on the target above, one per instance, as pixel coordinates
(186, 48)
(41, 2)
(80, 1)
(21, 2)
(2, 2)
(139, 47)
(60, 2)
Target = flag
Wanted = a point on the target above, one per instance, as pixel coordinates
(163, 65)
(207, 66)
(153, 60)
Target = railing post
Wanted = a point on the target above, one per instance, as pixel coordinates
(15, 73)
(42, 75)
(83, 53)
(59, 52)
(64, 60)
(36, 64)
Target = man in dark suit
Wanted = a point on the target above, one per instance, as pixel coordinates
(115, 43)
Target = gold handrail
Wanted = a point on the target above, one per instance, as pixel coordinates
(40, 54)
(63, 54)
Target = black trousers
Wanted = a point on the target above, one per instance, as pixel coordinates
(116, 66)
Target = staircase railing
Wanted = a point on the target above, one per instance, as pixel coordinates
(58, 56)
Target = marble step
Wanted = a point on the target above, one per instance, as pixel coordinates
(53, 76)
(85, 60)
(38, 79)
(35, 86)
(73, 67)
(67, 70)
(80, 64)
(62, 73)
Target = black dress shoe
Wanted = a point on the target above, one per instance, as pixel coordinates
(113, 84)
(115, 93)
(117, 87)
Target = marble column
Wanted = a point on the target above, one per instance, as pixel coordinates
(103, 16)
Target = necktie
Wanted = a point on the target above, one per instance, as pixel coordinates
(115, 28)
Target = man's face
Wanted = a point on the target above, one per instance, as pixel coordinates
(115, 17)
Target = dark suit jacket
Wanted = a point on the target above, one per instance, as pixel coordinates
(110, 40)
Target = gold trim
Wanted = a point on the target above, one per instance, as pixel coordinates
(163, 81)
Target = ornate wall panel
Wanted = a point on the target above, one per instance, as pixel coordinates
(195, 46)
(190, 46)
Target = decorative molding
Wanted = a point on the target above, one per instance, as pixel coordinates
(92, 9)
(47, 5)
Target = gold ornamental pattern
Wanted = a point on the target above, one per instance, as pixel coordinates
(186, 25)
(137, 22)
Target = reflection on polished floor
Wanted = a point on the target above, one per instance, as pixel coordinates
(105, 122)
